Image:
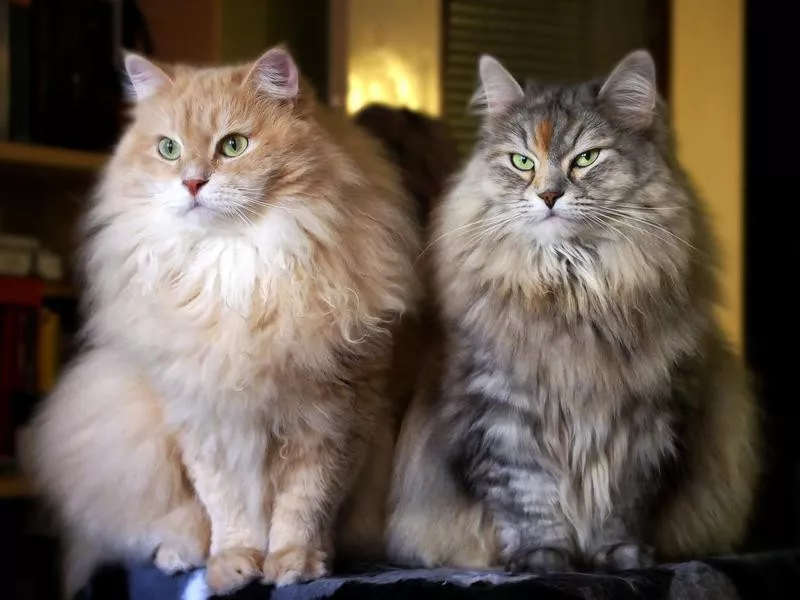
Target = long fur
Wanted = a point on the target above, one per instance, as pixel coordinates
(583, 404)
(231, 401)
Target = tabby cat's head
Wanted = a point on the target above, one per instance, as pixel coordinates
(560, 164)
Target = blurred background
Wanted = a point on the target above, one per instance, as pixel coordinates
(61, 110)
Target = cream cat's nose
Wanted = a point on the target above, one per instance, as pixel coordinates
(194, 185)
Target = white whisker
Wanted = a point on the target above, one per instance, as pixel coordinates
(468, 226)
(608, 225)
(648, 223)
(627, 223)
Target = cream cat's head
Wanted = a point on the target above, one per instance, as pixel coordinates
(212, 149)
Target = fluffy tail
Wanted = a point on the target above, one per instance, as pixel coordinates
(432, 522)
(80, 559)
(711, 509)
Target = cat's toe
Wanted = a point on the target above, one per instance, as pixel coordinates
(233, 568)
(622, 557)
(171, 559)
(540, 560)
(294, 564)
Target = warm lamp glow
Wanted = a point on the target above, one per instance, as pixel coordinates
(394, 54)
(382, 77)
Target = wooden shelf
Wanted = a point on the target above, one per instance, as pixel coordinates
(13, 485)
(57, 289)
(47, 157)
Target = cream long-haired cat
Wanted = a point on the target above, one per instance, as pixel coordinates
(247, 255)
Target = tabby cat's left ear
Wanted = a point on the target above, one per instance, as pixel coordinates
(275, 73)
(630, 90)
(498, 90)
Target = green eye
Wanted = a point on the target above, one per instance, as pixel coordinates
(522, 162)
(169, 148)
(587, 158)
(232, 145)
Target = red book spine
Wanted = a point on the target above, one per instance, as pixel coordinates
(17, 295)
(22, 291)
(7, 376)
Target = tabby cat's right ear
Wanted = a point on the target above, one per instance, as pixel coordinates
(630, 90)
(498, 89)
(145, 77)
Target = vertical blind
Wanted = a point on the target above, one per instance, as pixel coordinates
(549, 40)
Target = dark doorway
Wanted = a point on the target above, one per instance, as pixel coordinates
(771, 253)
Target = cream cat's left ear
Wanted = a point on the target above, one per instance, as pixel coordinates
(145, 77)
(275, 73)
(498, 88)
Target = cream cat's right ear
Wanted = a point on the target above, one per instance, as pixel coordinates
(145, 77)
(498, 89)
(275, 73)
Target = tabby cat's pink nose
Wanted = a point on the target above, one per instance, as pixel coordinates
(194, 185)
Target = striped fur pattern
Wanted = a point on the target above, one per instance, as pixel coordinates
(583, 408)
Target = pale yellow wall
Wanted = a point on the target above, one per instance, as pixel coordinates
(393, 53)
(707, 73)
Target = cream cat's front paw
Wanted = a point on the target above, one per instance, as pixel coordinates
(171, 559)
(294, 564)
(233, 568)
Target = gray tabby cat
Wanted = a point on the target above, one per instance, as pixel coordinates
(584, 408)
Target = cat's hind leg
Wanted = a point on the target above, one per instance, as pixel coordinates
(101, 454)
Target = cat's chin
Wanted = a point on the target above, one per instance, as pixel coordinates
(554, 229)
(202, 216)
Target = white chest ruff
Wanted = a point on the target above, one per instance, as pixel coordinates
(213, 316)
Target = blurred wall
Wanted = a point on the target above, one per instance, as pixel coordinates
(185, 31)
(245, 28)
(232, 31)
(707, 108)
(249, 27)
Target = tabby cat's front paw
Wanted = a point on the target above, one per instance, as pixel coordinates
(233, 568)
(625, 556)
(294, 563)
(540, 560)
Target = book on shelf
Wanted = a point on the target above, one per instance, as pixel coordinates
(31, 353)
(49, 349)
(21, 256)
(20, 302)
(59, 71)
(16, 262)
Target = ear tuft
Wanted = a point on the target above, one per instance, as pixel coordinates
(275, 73)
(498, 89)
(145, 77)
(630, 90)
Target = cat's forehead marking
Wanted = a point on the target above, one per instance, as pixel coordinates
(543, 136)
